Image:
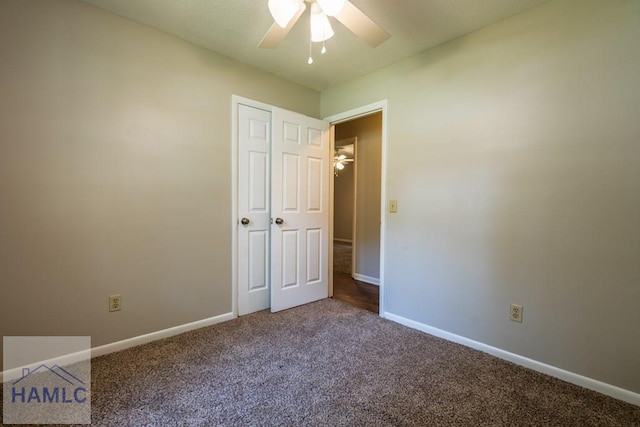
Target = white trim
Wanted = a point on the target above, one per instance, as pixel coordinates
(332, 148)
(164, 333)
(335, 239)
(352, 140)
(366, 279)
(577, 379)
(131, 342)
(383, 202)
(234, 204)
(354, 216)
(355, 113)
(345, 141)
(236, 100)
(64, 360)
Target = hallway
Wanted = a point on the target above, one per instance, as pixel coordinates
(345, 288)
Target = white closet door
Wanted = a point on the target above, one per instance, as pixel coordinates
(254, 198)
(299, 209)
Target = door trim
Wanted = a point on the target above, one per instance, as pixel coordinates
(365, 110)
(353, 140)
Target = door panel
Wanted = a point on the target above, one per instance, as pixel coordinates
(254, 135)
(291, 133)
(289, 259)
(258, 180)
(315, 138)
(314, 184)
(290, 182)
(258, 268)
(300, 183)
(314, 258)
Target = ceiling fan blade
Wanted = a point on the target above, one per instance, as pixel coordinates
(361, 25)
(276, 33)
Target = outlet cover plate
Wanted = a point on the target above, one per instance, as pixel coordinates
(115, 302)
(515, 313)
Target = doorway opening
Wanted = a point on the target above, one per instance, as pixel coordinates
(357, 201)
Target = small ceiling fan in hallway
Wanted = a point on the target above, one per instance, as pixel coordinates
(340, 161)
(287, 12)
(341, 157)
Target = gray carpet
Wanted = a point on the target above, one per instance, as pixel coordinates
(330, 364)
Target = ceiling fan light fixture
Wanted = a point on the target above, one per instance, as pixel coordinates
(283, 10)
(339, 166)
(331, 7)
(320, 27)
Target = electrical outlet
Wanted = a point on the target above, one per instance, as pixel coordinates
(515, 314)
(115, 302)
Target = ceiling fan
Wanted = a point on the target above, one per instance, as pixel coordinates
(340, 160)
(287, 12)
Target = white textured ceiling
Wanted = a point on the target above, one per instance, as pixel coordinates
(235, 27)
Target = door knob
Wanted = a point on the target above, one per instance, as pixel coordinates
(279, 221)
(245, 221)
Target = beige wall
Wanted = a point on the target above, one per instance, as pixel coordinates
(368, 131)
(343, 204)
(115, 172)
(514, 154)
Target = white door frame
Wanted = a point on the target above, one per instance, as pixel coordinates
(353, 140)
(365, 110)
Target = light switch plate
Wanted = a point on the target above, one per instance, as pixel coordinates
(393, 206)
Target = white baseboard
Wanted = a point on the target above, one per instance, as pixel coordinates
(64, 360)
(153, 336)
(577, 379)
(124, 344)
(367, 279)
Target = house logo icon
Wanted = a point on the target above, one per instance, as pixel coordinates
(47, 380)
(48, 385)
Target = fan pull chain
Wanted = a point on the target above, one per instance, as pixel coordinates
(310, 60)
(324, 49)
